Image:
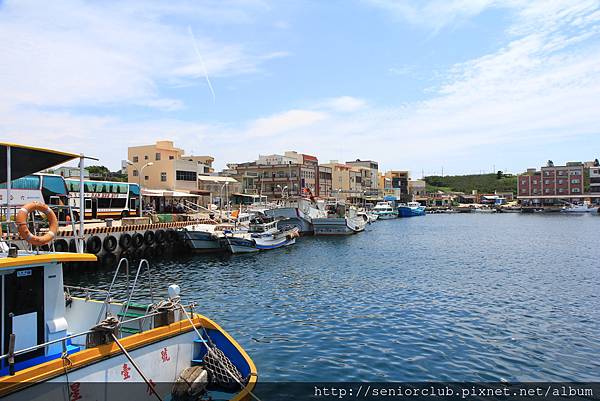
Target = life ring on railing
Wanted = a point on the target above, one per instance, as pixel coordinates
(21, 220)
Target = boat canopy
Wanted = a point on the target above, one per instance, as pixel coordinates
(25, 160)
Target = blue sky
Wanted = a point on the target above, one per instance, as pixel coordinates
(467, 85)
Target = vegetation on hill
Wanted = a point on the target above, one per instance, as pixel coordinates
(483, 183)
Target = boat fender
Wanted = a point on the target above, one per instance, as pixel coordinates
(192, 381)
(25, 234)
(109, 244)
(93, 245)
(61, 245)
(160, 236)
(137, 240)
(172, 235)
(149, 237)
(125, 241)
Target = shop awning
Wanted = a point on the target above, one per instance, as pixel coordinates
(167, 194)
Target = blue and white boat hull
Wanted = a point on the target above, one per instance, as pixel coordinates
(408, 211)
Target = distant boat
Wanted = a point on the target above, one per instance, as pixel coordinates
(369, 217)
(411, 209)
(483, 210)
(384, 211)
(340, 220)
(267, 234)
(585, 208)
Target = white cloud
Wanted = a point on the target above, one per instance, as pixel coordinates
(282, 123)
(77, 53)
(343, 104)
(435, 14)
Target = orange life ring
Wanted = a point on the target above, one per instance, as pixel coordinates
(21, 220)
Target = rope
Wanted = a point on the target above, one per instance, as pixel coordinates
(209, 350)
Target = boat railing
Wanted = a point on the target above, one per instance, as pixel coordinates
(64, 339)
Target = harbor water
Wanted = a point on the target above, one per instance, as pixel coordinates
(455, 297)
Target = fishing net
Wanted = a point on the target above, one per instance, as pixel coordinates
(221, 371)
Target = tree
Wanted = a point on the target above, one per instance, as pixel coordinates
(98, 171)
(596, 163)
(499, 175)
(550, 163)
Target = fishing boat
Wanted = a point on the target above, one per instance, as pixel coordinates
(238, 242)
(411, 209)
(340, 220)
(384, 211)
(71, 343)
(579, 208)
(268, 234)
(201, 238)
(369, 217)
(298, 212)
(483, 209)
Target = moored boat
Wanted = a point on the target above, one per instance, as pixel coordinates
(340, 220)
(411, 209)
(268, 234)
(201, 238)
(384, 211)
(581, 208)
(238, 242)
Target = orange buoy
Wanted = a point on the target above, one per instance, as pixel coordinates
(21, 220)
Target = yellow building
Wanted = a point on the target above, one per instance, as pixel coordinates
(163, 166)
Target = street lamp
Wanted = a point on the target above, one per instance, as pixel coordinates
(282, 190)
(140, 180)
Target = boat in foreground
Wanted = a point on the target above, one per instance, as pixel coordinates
(411, 209)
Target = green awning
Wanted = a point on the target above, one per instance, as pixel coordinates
(27, 160)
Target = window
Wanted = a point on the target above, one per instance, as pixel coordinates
(535, 181)
(575, 181)
(524, 182)
(146, 178)
(135, 159)
(181, 175)
(171, 157)
(561, 173)
(157, 156)
(560, 181)
(145, 157)
(135, 173)
(163, 176)
(575, 190)
(546, 182)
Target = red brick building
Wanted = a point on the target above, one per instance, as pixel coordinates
(552, 183)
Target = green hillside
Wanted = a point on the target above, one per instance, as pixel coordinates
(483, 183)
